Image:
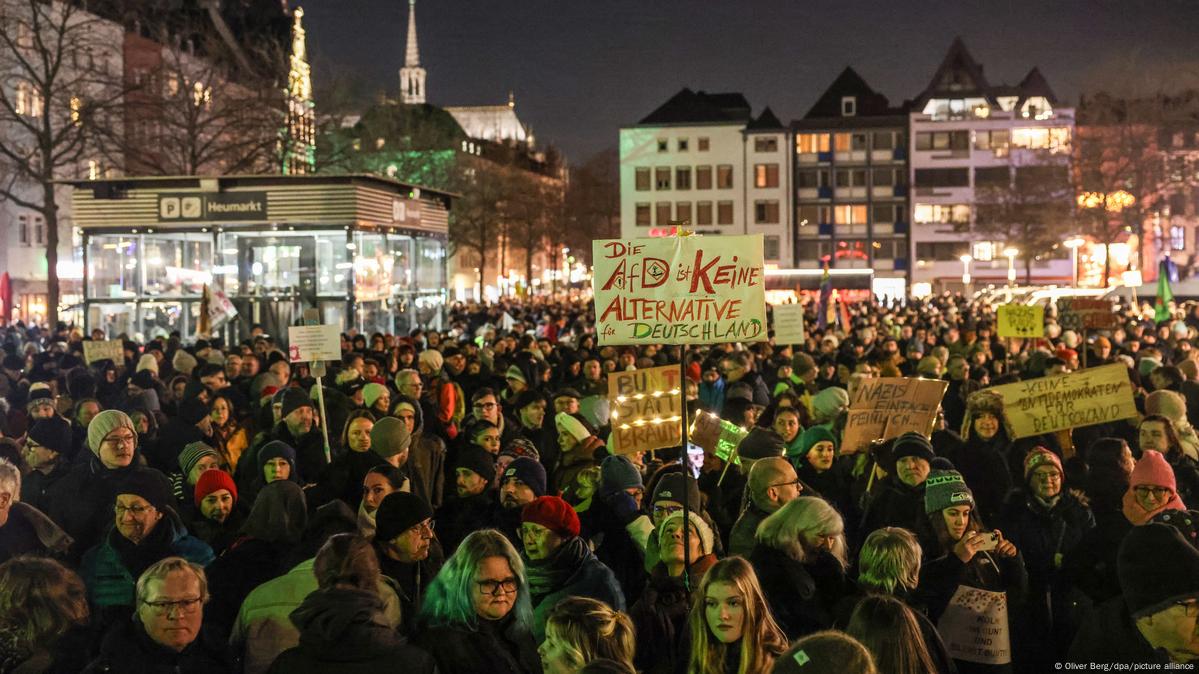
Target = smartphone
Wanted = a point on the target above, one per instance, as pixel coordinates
(989, 540)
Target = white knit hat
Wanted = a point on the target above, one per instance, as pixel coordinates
(706, 537)
(568, 424)
(147, 362)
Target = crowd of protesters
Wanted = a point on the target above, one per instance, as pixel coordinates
(447, 502)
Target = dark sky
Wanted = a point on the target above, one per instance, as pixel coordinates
(582, 68)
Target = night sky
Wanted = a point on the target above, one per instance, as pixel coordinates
(582, 68)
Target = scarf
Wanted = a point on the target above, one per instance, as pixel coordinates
(550, 574)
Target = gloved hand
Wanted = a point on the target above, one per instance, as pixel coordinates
(623, 506)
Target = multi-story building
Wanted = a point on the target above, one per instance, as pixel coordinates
(975, 146)
(851, 184)
(705, 159)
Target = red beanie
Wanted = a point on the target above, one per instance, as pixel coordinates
(214, 480)
(554, 514)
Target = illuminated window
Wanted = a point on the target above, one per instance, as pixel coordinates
(29, 100)
(766, 175)
(93, 169)
(809, 143)
(841, 142)
(1055, 139)
(76, 109)
(1178, 237)
(942, 213)
(984, 251)
(849, 214)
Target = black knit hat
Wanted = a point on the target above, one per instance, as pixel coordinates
(1157, 567)
(398, 511)
(912, 444)
(148, 484)
(525, 398)
(294, 399)
(52, 433)
(676, 487)
(477, 460)
(761, 443)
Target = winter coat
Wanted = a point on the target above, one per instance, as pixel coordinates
(1091, 565)
(586, 454)
(346, 631)
(895, 504)
(246, 564)
(660, 617)
(618, 540)
(572, 571)
(218, 535)
(410, 580)
(342, 479)
(493, 646)
(426, 459)
(29, 531)
(802, 595)
(983, 465)
(35, 487)
(743, 537)
(110, 570)
(264, 628)
(81, 503)
(932, 638)
(833, 485)
(68, 654)
(127, 649)
(457, 517)
(310, 455)
(1109, 635)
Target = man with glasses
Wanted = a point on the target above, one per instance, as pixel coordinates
(145, 529)
(408, 550)
(47, 446)
(485, 406)
(165, 634)
(1156, 620)
(737, 367)
(1046, 522)
(772, 484)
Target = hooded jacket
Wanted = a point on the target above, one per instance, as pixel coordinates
(571, 571)
(426, 458)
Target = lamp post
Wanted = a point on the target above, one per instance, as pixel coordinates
(1011, 252)
(1074, 243)
(966, 260)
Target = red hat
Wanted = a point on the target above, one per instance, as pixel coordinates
(214, 480)
(268, 391)
(554, 514)
(1039, 456)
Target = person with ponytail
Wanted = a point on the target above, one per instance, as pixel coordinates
(731, 628)
(580, 630)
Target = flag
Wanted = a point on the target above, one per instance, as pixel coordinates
(844, 314)
(203, 323)
(1161, 307)
(824, 313)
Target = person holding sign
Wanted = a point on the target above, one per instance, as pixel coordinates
(968, 588)
(984, 453)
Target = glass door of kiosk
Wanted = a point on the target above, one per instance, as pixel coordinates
(279, 273)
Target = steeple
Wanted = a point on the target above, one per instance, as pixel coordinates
(412, 76)
(299, 145)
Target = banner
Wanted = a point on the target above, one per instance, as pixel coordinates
(1018, 320)
(1047, 404)
(645, 409)
(716, 436)
(111, 349)
(309, 343)
(788, 324)
(975, 627)
(679, 290)
(1079, 313)
(887, 407)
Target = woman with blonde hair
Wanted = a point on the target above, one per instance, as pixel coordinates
(800, 558)
(43, 617)
(732, 630)
(890, 631)
(580, 630)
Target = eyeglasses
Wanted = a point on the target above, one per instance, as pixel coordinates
(495, 588)
(137, 510)
(1052, 476)
(484, 406)
(184, 606)
(1155, 492)
(796, 482)
(666, 510)
(117, 440)
(421, 527)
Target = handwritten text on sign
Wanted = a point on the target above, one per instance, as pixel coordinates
(1080, 313)
(112, 349)
(1048, 404)
(646, 411)
(889, 407)
(788, 324)
(1017, 320)
(308, 343)
(680, 290)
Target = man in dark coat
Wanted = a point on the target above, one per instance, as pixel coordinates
(47, 448)
(426, 455)
(474, 500)
(898, 501)
(408, 552)
(297, 428)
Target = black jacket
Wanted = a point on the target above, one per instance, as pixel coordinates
(895, 504)
(343, 631)
(802, 596)
(457, 517)
(983, 465)
(1109, 635)
(127, 649)
(496, 647)
(35, 487)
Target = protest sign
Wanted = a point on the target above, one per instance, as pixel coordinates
(716, 436)
(1083, 313)
(1047, 404)
(680, 290)
(887, 407)
(975, 626)
(308, 343)
(1018, 320)
(111, 349)
(646, 409)
(788, 324)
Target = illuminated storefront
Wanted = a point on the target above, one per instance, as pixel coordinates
(367, 251)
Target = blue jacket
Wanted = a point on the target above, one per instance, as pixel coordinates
(590, 578)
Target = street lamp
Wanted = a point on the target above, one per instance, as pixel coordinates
(1074, 243)
(966, 260)
(1011, 252)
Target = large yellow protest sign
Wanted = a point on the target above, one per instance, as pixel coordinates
(1084, 398)
(1018, 320)
(887, 407)
(679, 290)
(646, 409)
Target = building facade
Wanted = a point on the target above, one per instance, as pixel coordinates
(979, 152)
(704, 159)
(851, 185)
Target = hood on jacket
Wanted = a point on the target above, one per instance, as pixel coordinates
(343, 624)
(419, 416)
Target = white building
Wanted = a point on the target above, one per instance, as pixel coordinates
(704, 159)
(970, 138)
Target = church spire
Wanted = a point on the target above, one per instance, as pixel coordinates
(412, 76)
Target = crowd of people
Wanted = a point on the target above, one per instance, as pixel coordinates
(447, 501)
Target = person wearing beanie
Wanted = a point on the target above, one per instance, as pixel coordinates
(377, 399)
(529, 422)
(984, 454)
(192, 423)
(514, 449)
(147, 362)
(1046, 522)
(615, 520)
(559, 563)
(297, 427)
(964, 554)
(772, 484)
(217, 516)
(47, 446)
(824, 471)
(828, 404)
(521, 482)
(516, 380)
(183, 362)
(276, 462)
(1152, 488)
(409, 553)
(898, 499)
(580, 449)
(474, 499)
(145, 529)
(660, 613)
(40, 404)
(426, 453)
(1159, 432)
(195, 458)
(1154, 621)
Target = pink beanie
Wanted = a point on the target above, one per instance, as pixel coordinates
(1153, 470)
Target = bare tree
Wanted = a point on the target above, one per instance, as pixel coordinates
(475, 217)
(526, 214)
(593, 202)
(60, 81)
(1024, 205)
